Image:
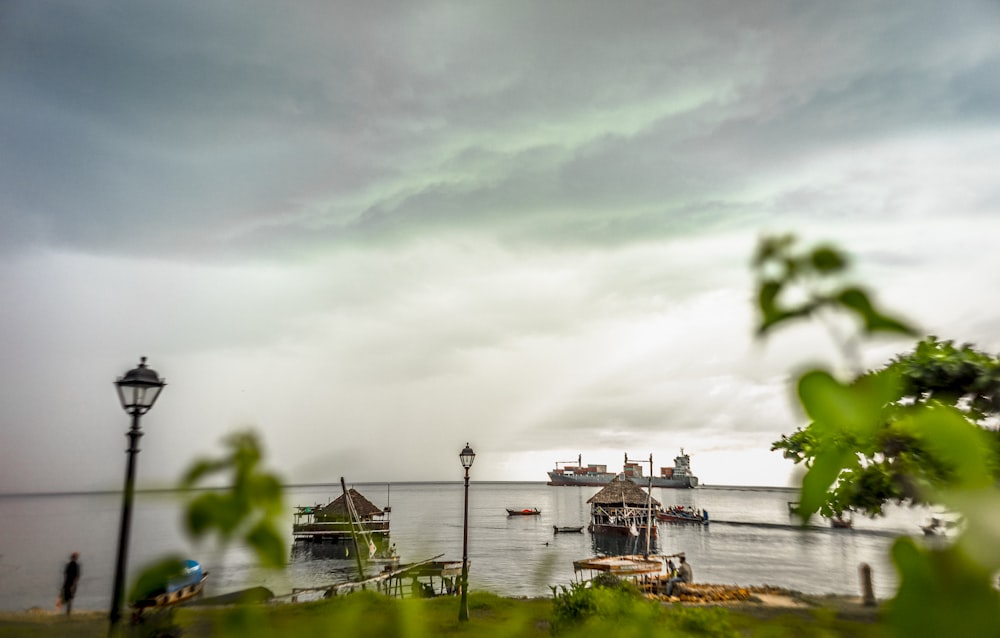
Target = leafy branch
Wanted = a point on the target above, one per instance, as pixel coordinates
(918, 429)
(796, 284)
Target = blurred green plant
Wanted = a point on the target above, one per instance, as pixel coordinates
(795, 284)
(884, 450)
(917, 430)
(608, 606)
(248, 510)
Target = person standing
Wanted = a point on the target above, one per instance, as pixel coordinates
(71, 576)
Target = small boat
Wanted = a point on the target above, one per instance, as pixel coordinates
(180, 588)
(567, 530)
(634, 567)
(680, 514)
(524, 512)
(937, 526)
(841, 523)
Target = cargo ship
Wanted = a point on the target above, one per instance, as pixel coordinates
(678, 476)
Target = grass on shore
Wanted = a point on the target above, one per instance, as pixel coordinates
(365, 615)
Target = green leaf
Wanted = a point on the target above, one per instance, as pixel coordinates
(767, 298)
(199, 470)
(857, 300)
(201, 514)
(980, 513)
(268, 544)
(827, 260)
(855, 410)
(248, 509)
(825, 469)
(772, 248)
(152, 580)
(962, 446)
(941, 593)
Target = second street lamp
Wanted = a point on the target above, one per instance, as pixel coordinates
(467, 456)
(138, 391)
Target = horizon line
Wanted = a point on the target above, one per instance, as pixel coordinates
(150, 490)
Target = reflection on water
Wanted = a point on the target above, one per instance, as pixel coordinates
(622, 544)
(322, 551)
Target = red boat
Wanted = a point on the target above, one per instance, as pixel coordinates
(841, 523)
(525, 512)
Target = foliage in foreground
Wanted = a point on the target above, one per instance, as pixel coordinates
(901, 455)
(610, 613)
(913, 430)
(248, 510)
(617, 609)
(372, 615)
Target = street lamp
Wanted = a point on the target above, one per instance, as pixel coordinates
(467, 456)
(138, 391)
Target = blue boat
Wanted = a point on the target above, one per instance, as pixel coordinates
(183, 586)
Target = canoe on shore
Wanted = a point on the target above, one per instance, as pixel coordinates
(182, 587)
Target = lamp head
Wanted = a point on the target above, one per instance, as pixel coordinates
(467, 456)
(139, 388)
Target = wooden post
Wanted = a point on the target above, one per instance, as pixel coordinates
(354, 536)
(867, 591)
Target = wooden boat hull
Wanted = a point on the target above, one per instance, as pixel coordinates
(671, 517)
(167, 599)
(567, 530)
(524, 512)
(681, 519)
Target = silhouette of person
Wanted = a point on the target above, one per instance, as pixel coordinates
(71, 576)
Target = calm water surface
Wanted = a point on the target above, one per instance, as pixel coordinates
(751, 540)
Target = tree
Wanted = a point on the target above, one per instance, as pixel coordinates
(959, 376)
(917, 429)
(895, 464)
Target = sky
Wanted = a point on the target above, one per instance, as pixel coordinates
(372, 232)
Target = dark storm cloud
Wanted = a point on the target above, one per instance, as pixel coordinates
(195, 129)
(531, 223)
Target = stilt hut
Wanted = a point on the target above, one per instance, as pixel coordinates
(331, 525)
(623, 508)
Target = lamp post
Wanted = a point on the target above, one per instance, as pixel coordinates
(138, 391)
(467, 456)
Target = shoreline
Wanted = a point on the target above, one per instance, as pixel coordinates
(761, 598)
(366, 615)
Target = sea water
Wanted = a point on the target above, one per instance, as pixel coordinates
(751, 540)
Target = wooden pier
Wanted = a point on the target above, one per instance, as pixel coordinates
(425, 579)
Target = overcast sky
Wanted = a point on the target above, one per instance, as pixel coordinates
(374, 231)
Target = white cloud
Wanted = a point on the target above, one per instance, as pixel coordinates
(374, 235)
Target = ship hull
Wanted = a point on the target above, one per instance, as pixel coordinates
(600, 480)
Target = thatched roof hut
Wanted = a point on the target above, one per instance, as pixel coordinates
(337, 510)
(622, 490)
